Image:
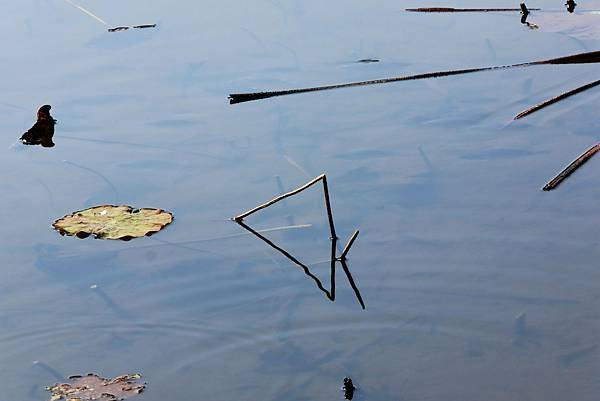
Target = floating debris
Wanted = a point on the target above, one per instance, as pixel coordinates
(93, 387)
(570, 4)
(556, 99)
(348, 388)
(580, 161)
(581, 58)
(118, 28)
(113, 222)
(124, 28)
(144, 26)
(333, 259)
(42, 131)
(368, 60)
(462, 10)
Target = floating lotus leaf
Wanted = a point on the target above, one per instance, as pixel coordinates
(113, 222)
(94, 387)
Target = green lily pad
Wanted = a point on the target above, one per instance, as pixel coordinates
(93, 387)
(113, 222)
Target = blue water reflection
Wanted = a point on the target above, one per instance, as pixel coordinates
(457, 239)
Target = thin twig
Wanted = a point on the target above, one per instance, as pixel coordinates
(556, 99)
(580, 161)
(589, 57)
(348, 245)
(463, 10)
(279, 198)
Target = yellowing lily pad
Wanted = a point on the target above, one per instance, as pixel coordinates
(94, 387)
(113, 222)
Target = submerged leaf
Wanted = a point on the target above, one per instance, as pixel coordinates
(94, 387)
(113, 222)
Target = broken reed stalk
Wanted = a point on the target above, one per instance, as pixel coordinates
(352, 283)
(330, 295)
(556, 99)
(348, 245)
(462, 10)
(581, 58)
(580, 161)
(329, 212)
(279, 198)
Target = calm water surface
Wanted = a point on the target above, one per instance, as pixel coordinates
(457, 239)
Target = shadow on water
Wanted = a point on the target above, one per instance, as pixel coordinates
(329, 293)
(42, 131)
(333, 236)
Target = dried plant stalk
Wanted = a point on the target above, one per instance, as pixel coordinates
(581, 58)
(463, 10)
(556, 99)
(580, 161)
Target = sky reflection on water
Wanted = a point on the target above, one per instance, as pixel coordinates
(457, 238)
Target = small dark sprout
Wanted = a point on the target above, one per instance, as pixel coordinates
(570, 4)
(348, 388)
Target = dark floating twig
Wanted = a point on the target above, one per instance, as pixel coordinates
(333, 259)
(581, 58)
(580, 161)
(143, 26)
(118, 28)
(124, 28)
(463, 10)
(556, 99)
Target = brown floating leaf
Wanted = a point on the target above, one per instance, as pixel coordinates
(113, 222)
(580, 161)
(94, 387)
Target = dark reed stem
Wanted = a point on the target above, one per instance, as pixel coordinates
(279, 198)
(556, 99)
(332, 267)
(463, 10)
(589, 57)
(330, 295)
(348, 245)
(329, 212)
(580, 161)
(352, 283)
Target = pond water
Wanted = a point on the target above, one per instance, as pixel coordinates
(477, 285)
